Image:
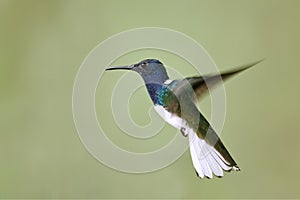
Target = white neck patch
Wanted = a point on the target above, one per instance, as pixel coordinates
(167, 82)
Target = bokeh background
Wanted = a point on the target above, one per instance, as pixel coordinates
(42, 45)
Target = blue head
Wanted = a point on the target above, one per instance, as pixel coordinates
(152, 71)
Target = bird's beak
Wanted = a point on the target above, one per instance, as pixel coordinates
(129, 67)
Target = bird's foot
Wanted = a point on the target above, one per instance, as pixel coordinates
(183, 131)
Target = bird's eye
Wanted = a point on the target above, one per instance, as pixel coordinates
(143, 64)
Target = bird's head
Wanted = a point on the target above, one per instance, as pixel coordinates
(151, 70)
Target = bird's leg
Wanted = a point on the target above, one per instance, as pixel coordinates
(184, 132)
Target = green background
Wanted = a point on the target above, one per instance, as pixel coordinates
(42, 45)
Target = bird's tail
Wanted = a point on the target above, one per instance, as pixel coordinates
(207, 160)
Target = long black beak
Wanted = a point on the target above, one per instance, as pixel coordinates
(121, 67)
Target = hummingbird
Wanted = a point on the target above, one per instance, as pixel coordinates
(175, 101)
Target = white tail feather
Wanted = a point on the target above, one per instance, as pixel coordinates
(195, 161)
(206, 160)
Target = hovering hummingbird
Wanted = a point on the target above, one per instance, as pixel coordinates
(174, 100)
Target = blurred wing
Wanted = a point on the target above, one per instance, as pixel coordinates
(208, 153)
(200, 84)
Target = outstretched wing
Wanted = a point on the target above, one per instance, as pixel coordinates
(208, 153)
(200, 84)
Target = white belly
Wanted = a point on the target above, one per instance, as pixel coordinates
(172, 119)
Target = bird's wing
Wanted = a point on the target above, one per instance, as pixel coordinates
(200, 84)
(209, 155)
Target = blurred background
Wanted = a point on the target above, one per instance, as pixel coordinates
(42, 45)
